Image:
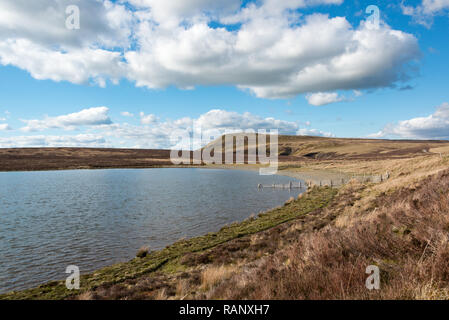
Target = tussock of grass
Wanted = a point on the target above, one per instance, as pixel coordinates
(143, 252)
(214, 275)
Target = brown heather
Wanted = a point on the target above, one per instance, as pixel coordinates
(406, 235)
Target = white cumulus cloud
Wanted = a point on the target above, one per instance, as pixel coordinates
(274, 52)
(87, 117)
(4, 127)
(434, 126)
(99, 131)
(76, 65)
(44, 22)
(324, 98)
(314, 132)
(321, 54)
(229, 120)
(155, 133)
(424, 13)
(147, 118)
(81, 140)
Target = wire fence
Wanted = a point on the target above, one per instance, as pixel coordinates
(328, 182)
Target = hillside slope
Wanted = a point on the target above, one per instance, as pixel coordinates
(293, 148)
(30, 159)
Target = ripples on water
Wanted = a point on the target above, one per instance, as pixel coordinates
(94, 218)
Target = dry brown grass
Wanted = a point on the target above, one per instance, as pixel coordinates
(430, 291)
(86, 296)
(407, 237)
(404, 173)
(182, 289)
(161, 294)
(213, 275)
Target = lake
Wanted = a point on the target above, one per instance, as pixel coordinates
(95, 218)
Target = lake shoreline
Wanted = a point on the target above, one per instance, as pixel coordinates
(315, 176)
(312, 200)
(199, 233)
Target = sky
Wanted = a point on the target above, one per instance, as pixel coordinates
(141, 73)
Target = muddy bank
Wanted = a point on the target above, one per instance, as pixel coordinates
(314, 176)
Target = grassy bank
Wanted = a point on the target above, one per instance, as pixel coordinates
(404, 233)
(167, 259)
(399, 225)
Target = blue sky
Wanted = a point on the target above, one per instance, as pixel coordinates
(173, 68)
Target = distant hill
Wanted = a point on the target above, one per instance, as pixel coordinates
(30, 159)
(293, 148)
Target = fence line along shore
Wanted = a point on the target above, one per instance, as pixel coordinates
(329, 182)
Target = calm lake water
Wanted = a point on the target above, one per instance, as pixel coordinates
(94, 218)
